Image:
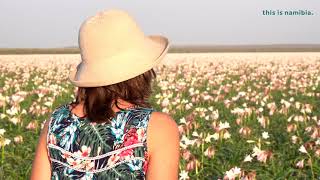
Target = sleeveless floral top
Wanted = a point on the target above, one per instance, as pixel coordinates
(80, 149)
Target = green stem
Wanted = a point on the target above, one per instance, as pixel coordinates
(21, 123)
(197, 169)
(311, 166)
(2, 155)
(4, 107)
(202, 154)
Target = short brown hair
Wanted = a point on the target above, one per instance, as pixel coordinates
(97, 100)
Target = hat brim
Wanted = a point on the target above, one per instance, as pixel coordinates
(161, 46)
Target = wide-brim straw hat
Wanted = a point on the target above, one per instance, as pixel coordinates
(114, 49)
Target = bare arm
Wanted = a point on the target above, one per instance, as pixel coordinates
(163, 147)
(41, 169)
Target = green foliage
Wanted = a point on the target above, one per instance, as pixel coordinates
(230, 152)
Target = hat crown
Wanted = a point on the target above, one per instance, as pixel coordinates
(114, 49)
(107, 34)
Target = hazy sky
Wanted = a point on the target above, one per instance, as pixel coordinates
(48, 23)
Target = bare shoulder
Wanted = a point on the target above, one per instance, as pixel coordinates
(163, 147)
(160, 119)
(41, 159)
(161, 127)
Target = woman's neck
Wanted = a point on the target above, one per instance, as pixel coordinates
(121, 104)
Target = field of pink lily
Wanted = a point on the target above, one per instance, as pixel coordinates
(237, 119)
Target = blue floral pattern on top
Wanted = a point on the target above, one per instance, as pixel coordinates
(80, 149)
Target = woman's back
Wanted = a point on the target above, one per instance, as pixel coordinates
(71, 147)
(80, 149)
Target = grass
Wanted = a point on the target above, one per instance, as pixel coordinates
(195, 99)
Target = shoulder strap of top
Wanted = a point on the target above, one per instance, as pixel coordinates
(52, 118)
(145, 118)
